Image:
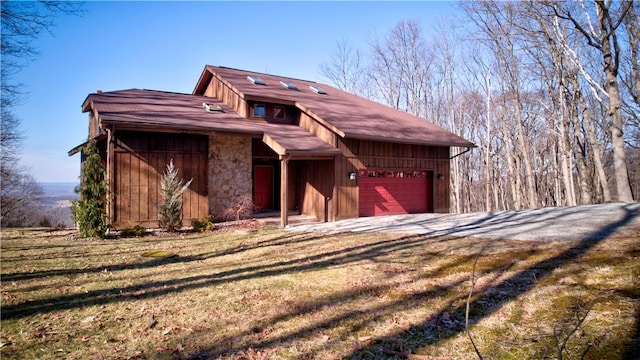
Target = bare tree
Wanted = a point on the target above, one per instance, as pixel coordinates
(19, 198)
(547, 122)
(603, 37)
(347, 70)
(401, 66)
(631, 22)
(22, 23)
(498, 23)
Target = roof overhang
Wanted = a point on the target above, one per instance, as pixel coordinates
(203, 81)
(78, 148)
(299, 146)
(460, 144)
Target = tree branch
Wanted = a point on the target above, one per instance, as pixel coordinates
(576, 24)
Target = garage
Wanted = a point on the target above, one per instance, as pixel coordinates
(389, 192)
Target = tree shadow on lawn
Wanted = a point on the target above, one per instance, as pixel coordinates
(21, 276)
(430, 331)
(523, 281)
(153, 289)
(417, 336)
(353, 320)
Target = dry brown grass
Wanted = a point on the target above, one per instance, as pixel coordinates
(270, 294)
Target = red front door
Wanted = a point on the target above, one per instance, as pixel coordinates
(263, 187)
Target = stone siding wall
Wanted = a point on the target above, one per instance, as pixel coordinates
(229, 173)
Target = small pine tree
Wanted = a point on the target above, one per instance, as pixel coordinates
(170, 209)
(89, 212)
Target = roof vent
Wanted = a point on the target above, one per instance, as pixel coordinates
(288, 85)
(212, 107)
(255, 80)
(318, 90)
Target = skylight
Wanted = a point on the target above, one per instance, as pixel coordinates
(317, 90)
(289, 85)
(212, 107)
(255, 80)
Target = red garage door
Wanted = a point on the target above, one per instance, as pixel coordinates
(388, 192)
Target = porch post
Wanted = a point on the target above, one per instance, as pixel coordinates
(110, 171)
(284, 190)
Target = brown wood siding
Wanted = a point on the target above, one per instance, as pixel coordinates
(366, 154)
(219, 90)
(315, 181)
(260, 150)
(94, 125)
(311, 125)
(346, 190)
(141, 159)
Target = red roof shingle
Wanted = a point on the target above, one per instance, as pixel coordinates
(346, 114)
(151, 109)
(351, 115)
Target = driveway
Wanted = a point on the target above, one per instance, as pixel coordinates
(559, 223)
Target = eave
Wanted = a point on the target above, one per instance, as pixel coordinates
(413, 142)
(78, 148)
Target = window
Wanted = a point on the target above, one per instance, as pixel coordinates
(259, 110)
(278, 112)
(212, 107)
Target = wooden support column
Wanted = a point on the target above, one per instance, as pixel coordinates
(110, 171)
(284, 190)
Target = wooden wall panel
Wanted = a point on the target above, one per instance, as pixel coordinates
(221, 91)
(346, 191)
(141, 160)
(317, 129)
(316, 184)
(363, 154)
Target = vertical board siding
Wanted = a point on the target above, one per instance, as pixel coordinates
(346, 190)
(317, 129)
(221, 91)
(367, 154)
(141, 160)
(316, 183)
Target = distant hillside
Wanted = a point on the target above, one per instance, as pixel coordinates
(56, 202)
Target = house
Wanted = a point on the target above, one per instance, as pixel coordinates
(286, 144)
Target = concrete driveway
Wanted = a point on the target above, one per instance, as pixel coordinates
(559, 223)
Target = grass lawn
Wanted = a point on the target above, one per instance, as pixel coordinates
(273, 294)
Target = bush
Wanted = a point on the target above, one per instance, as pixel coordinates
(241, 208)
(203, 224)
(170, 209)
(89, 212)
(135, 230)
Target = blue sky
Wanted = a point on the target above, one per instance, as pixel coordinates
(165, 46)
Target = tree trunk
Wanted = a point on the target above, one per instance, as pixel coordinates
(596, 152)
(610, 57)
(488, 162)
(570, 196)
(633, 33)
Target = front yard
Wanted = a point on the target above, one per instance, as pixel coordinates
(273, 294)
